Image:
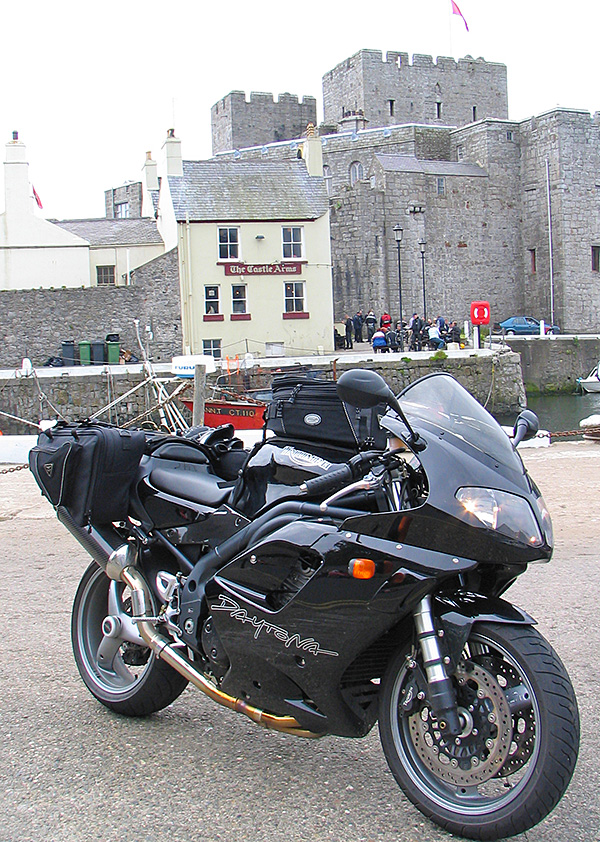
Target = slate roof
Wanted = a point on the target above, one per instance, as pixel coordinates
(236, 191)
(410, 164)
(113, 232)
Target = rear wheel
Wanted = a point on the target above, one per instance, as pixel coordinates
(515, 756)
(117, 668)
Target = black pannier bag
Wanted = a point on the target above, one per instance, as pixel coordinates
(307, 409)
(88, 468)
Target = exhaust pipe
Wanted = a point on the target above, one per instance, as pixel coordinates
(141, 604)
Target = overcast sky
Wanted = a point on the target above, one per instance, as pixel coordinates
(90, 87)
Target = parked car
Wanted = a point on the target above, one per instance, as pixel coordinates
(524, 326)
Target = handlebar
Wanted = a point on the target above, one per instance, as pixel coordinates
(355, 468)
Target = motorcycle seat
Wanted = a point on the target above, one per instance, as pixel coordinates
(190, 481)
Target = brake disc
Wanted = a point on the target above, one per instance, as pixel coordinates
(480, 750)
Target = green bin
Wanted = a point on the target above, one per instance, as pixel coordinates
(114, 349)
(85, 353)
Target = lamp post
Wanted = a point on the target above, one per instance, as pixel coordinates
(422, 245)
(398, 236)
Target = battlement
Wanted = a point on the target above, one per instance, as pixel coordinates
(238, 122)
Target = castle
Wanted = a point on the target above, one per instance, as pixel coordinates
(489, 208)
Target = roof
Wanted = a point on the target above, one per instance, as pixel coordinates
(234, 191)
(113, 232)
(410, 164)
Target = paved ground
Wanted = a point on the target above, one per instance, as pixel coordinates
(73, 772)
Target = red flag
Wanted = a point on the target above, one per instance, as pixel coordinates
(457, 11)
(37, 198)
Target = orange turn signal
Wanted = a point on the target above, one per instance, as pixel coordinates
(361, 568)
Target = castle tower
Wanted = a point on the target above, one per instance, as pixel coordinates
(393, 91)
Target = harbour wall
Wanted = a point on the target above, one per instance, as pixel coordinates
(552, 364)
(494, 378)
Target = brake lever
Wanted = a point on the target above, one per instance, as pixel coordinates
(364, 484)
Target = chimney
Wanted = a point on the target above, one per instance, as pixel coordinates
(172, 147)
(150, 169)
(16, 179)
(312, 152)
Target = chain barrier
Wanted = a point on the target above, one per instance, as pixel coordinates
(13, 469)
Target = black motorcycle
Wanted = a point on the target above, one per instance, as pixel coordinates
(330, 578)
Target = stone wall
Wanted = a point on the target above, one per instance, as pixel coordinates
(127, 193)
(34, 323)
(553, 364)
(495, 380)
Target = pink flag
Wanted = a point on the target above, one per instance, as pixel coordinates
(457, 11)
(36, 197)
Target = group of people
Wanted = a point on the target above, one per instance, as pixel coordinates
(413, 335)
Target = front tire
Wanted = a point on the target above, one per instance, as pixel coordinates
(125, 676)
(518, 749)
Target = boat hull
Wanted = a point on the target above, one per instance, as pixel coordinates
(243, 416)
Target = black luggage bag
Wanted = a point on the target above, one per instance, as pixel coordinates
(307, 409)
(88, 469)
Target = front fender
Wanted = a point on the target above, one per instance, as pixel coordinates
(458, 614)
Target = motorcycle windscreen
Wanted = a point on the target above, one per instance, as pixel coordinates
(441, 402)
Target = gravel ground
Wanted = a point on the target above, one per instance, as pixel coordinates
(72, 771)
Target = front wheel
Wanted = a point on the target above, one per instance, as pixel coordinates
(117, 668)
(517, 751)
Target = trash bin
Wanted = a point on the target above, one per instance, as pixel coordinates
(68, 352)
(85, 353)
(113, 350)
(98, 352)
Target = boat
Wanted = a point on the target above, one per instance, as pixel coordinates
(244, 410)
(591, 383)
(590, 427)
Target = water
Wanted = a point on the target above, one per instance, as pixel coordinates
(560, 412)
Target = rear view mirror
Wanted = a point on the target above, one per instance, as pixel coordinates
(526, 426)
(364, 388)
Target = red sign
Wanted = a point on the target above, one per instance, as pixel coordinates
(263, 269)
(480, 312)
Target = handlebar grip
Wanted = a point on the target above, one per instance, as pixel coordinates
(327, 482)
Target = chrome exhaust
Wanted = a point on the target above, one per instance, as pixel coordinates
(120, 567)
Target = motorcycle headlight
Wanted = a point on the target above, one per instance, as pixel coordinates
(502, 512)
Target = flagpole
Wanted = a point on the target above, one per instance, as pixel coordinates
(450, 16)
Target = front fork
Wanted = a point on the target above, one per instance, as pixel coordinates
(441, 692)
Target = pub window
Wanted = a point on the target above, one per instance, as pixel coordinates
(212, 347)
(356, 172)
(105, 275)
(229, 243)
(211, 300)
(292, 243)
(391, 103)
(595, 258)
(294, 297)
(238, 298)
(438, 110)
(532, 261)
(122, 210)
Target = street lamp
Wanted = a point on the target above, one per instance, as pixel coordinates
(398, 235)
(422, 245)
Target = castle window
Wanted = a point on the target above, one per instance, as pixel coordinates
(211, 301)
(460, 153)
(229, 243)
(595, 258)
(238, 298)
(532, 261)
(327, 177)
(294, 297)
(212, 348)
(391, 107)
(292, 243)
(105, 276)
(441, 186)
(438, 110)
(474, 113)
(509, 135)
(122, 210)
(356, 172)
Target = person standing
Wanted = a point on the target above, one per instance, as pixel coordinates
(371, 323)
(416, 326)
(358, 320)
(385, 320)
(349, 325)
